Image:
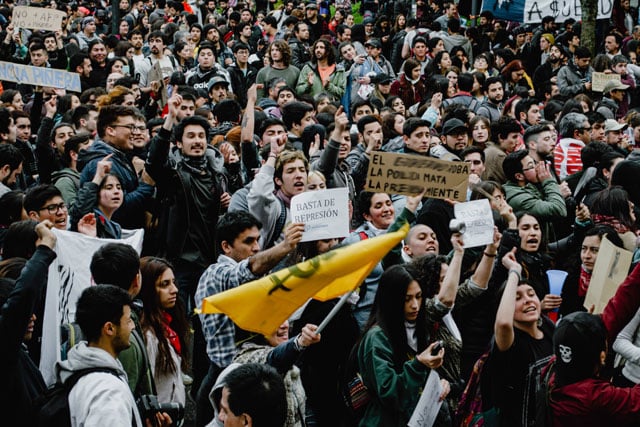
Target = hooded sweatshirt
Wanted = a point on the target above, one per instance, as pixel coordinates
(98, 396)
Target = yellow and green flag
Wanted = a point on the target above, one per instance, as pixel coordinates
(263, 305)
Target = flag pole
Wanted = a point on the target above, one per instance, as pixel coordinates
(334, 311)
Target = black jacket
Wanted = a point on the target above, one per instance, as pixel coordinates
(178, 211)
(22, 381)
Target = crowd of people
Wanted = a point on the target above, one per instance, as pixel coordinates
(199, 122)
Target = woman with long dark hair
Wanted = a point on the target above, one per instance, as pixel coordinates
(394, 355)
(165, 328)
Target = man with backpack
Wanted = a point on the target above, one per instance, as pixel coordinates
(95, 380)
(22, 382)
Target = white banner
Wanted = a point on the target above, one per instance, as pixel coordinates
(69, 275)
(325, 213)
(535, 10)
(39, 76)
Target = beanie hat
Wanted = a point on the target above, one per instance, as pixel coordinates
(578, 341)
(549, 38)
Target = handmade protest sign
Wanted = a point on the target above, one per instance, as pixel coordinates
(598, 80)
(39, 76)
(324, 213)
(408, 174)
(612, 267)
(478, 221)
(429, 403)
(37, 18)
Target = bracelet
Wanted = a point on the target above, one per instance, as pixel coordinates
(489, 255)
(516, 273)
(275, 156)
(297, 344)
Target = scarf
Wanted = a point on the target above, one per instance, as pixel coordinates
(171, 335)
(412, 340)
(611, 221)
(286, 199)
(583, 283)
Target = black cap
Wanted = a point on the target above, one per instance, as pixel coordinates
(453, 125)
(578, 341)
(374, 43)
(382, 79)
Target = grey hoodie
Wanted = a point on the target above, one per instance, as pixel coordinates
(98, 396)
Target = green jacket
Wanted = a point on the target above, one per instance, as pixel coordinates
(335, 88)
(135, 362)
(394, 394)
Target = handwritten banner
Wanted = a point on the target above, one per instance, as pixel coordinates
(408, 174)
(478, 220)
(532, 11)
(37, 18)
(39, 76)
(598, 80)
(325, 213)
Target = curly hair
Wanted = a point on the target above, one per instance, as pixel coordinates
(284, 48)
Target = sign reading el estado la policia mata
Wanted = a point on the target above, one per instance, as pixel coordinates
(408, 174)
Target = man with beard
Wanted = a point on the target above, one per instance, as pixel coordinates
(491, 108)
(81, 64)
(279, 54)
(207, 69)
(549, 70)
(575, 134)
(168, 64)
(299, 44)
(10, 166)
(316, 23)
(322, 74)
(141, 65)
(189, 242)
(575, 77)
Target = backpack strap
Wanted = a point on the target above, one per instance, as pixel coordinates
(75, 377)
(279, 223)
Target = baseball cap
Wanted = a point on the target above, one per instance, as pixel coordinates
(374, 43)
(217, 80)
(614, 85)
(452, 125)
(613, 125)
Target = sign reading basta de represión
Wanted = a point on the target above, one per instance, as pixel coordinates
(532, 11)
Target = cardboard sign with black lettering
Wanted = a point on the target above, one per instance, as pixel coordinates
(408, 174)
(37, 18)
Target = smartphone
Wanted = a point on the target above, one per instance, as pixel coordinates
(436, 348)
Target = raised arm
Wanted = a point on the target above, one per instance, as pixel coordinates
(449, 288)
(503, 327)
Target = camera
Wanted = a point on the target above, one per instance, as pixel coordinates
(148, 406)
(457, 226)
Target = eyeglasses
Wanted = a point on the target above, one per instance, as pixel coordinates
(53, 209)
(132, 128)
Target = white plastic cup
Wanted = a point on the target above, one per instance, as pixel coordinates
(556, 281)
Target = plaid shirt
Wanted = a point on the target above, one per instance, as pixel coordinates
(218, 329)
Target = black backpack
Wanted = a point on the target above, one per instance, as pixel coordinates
(53, 407)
